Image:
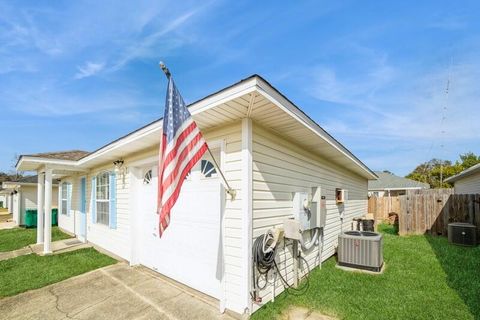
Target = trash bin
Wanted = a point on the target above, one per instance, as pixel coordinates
(30, 218)
(54, 216)
(368, 225)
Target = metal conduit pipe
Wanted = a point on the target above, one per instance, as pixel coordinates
(311, 243)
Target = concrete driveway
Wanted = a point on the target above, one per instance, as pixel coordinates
(114, 292)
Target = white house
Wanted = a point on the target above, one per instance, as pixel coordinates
(23, 196)
(390, 185)
(4, 198)
(268, 149)
(467, 181)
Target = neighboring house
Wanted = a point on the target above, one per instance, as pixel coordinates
(23, 196)
(390, 185)
(268, 149)
(3, 197)
(467, 181)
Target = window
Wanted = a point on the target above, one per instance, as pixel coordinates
(103, 197)
(147, 178)
(64, 198)
(208, 169)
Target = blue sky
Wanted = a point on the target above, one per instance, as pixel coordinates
(79, 74)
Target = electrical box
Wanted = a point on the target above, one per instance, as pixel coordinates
(309, 212)
(310, 209)
(302, 210)
(292, 229)
(319, 208)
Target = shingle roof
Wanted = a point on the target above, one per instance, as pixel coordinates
(29, 179)
(62, 155)
(390, 181)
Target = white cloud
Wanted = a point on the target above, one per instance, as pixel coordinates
(147, 46)
(397, 114)
(89, 69)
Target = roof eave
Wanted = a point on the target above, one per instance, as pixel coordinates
(281, 100)
(465, 173)
(248, 85)
(37, 162)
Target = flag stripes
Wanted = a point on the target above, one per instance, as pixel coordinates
(182, 146)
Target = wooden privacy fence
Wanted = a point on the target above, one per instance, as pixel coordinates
(428, 211)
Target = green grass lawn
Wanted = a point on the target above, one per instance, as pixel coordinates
(17, 238)
(32, 271)
(425, 278)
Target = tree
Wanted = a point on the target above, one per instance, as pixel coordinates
(468, 160)
(433, 171)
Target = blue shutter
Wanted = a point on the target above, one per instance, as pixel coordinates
(112, 183)
(93, 198)
(69, 198)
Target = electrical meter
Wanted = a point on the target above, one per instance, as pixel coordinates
(309, 212)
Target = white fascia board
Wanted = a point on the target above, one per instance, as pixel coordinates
(271, 94)
(132, 137)
(44, 161)
(404, 188)
(464, 173)
(10, 185)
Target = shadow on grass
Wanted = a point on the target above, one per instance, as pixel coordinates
(462, 268)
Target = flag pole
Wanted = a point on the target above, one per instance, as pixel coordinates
(230, 191)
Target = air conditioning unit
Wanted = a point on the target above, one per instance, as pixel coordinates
(361, 250)
(464, 234)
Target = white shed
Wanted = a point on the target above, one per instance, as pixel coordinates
(268, 149)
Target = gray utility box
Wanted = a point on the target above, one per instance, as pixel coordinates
(361, 250)
(464, 234)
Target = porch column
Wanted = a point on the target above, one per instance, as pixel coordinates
(48, 212)
(40, 212)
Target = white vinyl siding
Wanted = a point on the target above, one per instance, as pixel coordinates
(103, 198)
(468, 185)
(232, 217)
(281, 168)
(67, 221)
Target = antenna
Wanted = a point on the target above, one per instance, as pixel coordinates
(442, 122)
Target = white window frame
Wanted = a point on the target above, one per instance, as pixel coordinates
(64, 198)
(100, 214)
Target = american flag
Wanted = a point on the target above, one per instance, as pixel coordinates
(181, 147)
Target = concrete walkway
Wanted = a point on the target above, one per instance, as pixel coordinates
(57, 247)
(114, 292)
(6, 221)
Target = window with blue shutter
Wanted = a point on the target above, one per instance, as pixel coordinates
(113, 200)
